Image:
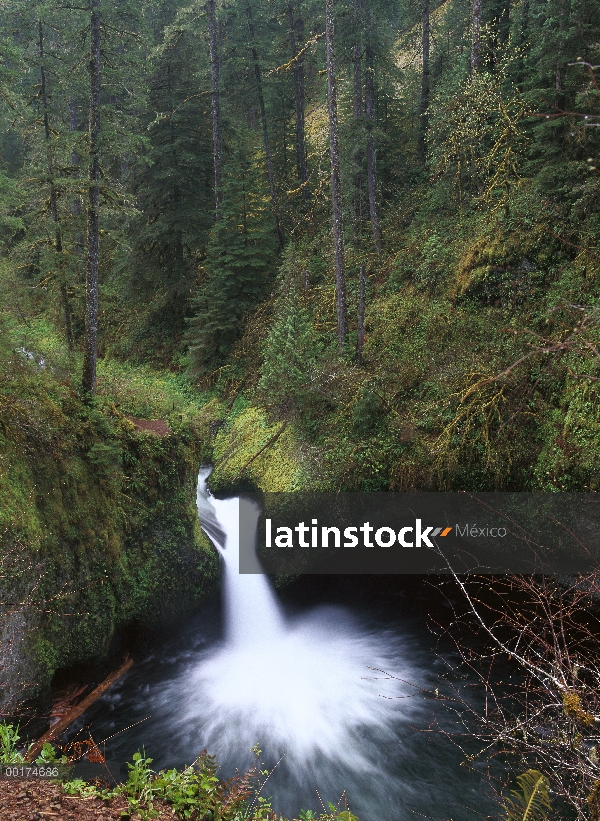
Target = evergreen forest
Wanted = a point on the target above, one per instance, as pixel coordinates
(337, 245)
(373, 223)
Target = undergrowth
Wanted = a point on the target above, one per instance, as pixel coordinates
(194, 793)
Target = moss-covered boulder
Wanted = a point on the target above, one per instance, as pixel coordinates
(98, 528)
(250, 450)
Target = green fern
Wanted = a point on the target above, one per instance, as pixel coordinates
(531, 802)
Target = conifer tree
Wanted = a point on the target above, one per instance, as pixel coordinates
(336, 190)
(296, 33)
(290, 354)
(425, 81)
(239, 262)
(38, 117)
(263, 119)
(357, 113)
(174, 185)
(215, 66)
(90, 349)
(53, 194)
(371, 166)
(476, 36)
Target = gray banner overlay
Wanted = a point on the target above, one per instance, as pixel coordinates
(323, 533)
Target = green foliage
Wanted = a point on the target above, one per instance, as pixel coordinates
(11, 754)
(250, 447)
(139, 788)
(477, 135)
(9, 741)
(454, 390)
(11, 223)
(173, 190)
(531, 801)
(366, 412)
(190, 792)
(80, 787)
(238, 265)
(344, 815)
(50, 755)
(149, 393)
(291, 352)
(197, 792)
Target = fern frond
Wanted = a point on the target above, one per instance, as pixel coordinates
(531, 802)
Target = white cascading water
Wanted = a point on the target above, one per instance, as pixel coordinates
(308, 689)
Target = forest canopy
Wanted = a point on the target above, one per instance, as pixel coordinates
(375, 222)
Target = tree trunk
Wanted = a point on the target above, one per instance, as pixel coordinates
(299, 99)
(371, 169)
(522, 39)
(424, 101)
(476, 38)
(178, 233)
(265, 130)
(64, 296)
(75, 160)
(215, 104)
(90, 352)
(336, 193)
(76, 711)
(560, 62)
(357, 111)
(361, 313)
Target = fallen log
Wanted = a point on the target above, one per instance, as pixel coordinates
(76, 711)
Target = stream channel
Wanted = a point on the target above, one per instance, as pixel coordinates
(334, 677)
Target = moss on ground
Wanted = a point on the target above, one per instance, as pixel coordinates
(251, 449)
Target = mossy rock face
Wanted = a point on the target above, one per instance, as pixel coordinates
(100, 529)
(250, 451)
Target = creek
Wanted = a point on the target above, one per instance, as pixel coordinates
(334, 678)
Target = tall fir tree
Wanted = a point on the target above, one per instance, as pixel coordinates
(174, 184)
(239, 262)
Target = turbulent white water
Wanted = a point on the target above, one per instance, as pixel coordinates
(305, 685)
(309, 688)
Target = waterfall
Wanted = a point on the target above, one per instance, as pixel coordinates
(308, 689)
(251, 609)
(309, 685)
